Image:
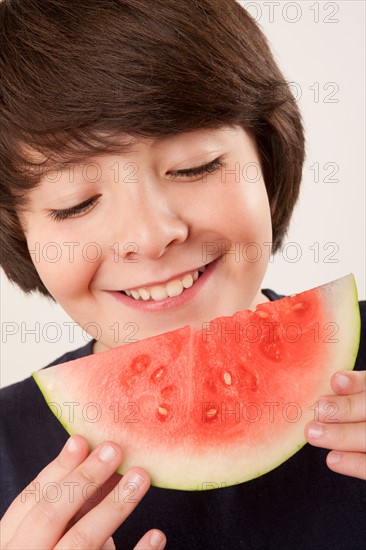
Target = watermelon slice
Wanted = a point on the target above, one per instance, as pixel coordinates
(213, 407)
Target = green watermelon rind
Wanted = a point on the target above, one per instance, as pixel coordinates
(295, 446)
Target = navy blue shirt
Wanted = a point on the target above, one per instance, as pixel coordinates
(301, 504)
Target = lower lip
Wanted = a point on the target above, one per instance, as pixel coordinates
(169, 303)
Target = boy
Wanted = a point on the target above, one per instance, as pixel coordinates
(165, 103)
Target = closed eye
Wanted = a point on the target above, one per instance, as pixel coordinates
(74, 211)
(199, 170)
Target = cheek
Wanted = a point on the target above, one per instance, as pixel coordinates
(65, 268)
(241, 211)
(255, 230)
(257, 219)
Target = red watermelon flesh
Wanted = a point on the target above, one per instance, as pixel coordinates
(212, 407)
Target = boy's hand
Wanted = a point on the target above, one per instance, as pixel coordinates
(71, 503)
(341, 424)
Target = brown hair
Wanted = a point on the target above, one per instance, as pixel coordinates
(77, 74)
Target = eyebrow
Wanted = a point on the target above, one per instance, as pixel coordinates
(56, 166)
(123, 148)
(120, 148)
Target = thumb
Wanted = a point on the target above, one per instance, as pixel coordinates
(108, 545)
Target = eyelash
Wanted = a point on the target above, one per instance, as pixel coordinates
(200, 170)
(72, 212)
(85, 206)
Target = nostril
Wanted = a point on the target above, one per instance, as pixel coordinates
(129, 256)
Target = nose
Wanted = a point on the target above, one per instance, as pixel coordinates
(153, 226)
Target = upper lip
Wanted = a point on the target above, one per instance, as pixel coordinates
(155, 283)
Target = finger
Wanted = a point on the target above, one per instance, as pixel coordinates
(344, 408)
(154, 539)
(106, 488)
(344, 382)
(94, 528)
(349, 464)
(72, 454)
(340, 437)
(61, 500)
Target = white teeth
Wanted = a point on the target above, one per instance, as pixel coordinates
(144, 293)
(173, 288)
(158, 293)
(187, 280)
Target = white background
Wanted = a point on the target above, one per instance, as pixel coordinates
(320, 47)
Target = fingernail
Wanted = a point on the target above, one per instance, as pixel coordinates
(342, 381)
(109, 545)
(71, 445)
(156, 539)
(316, 430)
(107, 453)
(322, 406)
(134, 479)
(334, 457)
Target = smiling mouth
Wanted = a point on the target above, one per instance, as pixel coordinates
(172, 288)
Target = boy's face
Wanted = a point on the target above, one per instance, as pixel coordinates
(148, 226)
